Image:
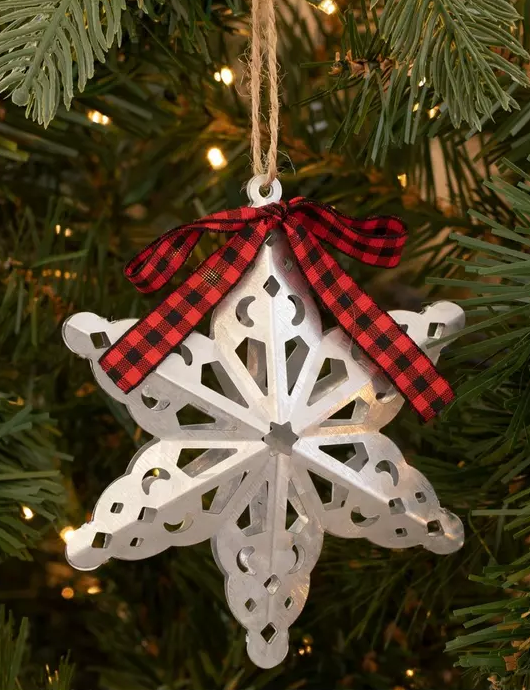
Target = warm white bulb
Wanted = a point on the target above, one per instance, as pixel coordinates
(217, 76)
(227, 76)
(68, 232)
(67, 593)
(66, 534)
(27, 513)
(98, 118)
(433, 112)
(409, 672)
(327, 6)
(57, 229)
(94, 589)
(422, 82)
(216, 158)
(403, 179)
(416, 106)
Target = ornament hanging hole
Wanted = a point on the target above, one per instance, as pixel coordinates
(256, 195)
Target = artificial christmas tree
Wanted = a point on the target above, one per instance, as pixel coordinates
(422, 104)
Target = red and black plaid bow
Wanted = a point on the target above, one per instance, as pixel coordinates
(375, 241)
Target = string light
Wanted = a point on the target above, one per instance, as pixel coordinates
(66, 533)
(94, 589)
(225, 75)
(67, 593)
(27, 513)
(216, 158)
(422, 82)
(433, 112)
(403, 180)
(98, 118)
(67, 231)
(327, 6)
(409, 673)
(307, 649)
(416, 106)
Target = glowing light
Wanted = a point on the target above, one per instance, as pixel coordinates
(94, 589)
(57, 229)
(68, 232)
(409, 672)
(27, 513)
(225, 75)
(216, 158)
(403, 180)
(57, 273)
(156, 472)
(422, 82)
(66, 533)
(98, 118)
(67, 275)
(327, 6)
(416, 106)
(301, 651)
(67, 593)
(433, 112)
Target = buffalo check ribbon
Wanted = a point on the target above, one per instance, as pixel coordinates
(376, 241)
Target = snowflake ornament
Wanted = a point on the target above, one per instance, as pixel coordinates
(266, 435)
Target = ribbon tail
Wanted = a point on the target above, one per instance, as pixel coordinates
(375, 331)
(144, 346)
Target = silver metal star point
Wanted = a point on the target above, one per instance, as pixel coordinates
(266, 435)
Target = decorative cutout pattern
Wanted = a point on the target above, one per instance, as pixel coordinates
(266, 435)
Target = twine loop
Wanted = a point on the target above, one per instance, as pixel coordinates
(264, 68)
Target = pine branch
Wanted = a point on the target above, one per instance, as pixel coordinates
(459, 48)
(28, 478)
(420, 68)
(493, 403)
(38, 43)
(13, 652)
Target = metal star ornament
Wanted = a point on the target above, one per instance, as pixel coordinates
(266, 435)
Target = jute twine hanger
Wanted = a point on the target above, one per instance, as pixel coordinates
(264, 66)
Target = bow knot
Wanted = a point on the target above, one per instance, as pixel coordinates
(376, 241)
(279, 210)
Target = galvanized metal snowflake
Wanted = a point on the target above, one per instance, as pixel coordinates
(266, 435)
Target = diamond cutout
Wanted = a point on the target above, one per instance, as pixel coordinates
(269, 632)
(272, 584)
